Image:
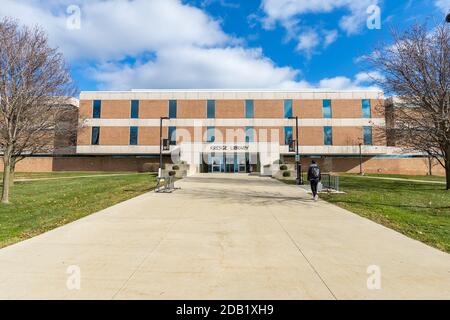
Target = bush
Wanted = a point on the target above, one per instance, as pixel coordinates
(176, 168)
(286, 174)
(172, 173)
(150, 167)
(283, 167)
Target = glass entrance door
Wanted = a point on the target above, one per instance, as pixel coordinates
(215, 163)
(230, 163)
(242, 162)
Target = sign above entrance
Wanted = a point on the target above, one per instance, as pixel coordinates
(219, 148)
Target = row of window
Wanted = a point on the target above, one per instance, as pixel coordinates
(249, 135)
(328, 136)
(249, 109)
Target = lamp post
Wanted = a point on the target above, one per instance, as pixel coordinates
(360, 159)
(161, 145)
(298, 164)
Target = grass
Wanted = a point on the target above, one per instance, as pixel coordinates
(419, 210)
(61, 174)
(39, 206)
(424, 178)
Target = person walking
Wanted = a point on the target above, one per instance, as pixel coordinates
(314, 177)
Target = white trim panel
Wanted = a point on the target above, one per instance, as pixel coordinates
(229, 95)
(309, 150)
(357, 122)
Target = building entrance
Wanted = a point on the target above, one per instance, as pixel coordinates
(230, 162)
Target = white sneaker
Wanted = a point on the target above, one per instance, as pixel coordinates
(316, 198)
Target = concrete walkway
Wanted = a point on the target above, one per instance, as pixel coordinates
(223, 237)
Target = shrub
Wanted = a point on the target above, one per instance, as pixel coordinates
(283, 167)
(150, 167)
(172, 173)
(176, 167)
(286, 174)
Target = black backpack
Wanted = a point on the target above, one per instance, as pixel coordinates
(315, 173)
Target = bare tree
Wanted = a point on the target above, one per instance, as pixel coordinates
(34, 83)
(416, 69)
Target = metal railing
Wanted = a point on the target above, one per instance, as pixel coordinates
(165, 184)
(330, 182)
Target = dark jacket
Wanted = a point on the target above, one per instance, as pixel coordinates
(310, 172)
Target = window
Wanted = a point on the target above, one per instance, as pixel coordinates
(97, 109)
(288, 137)
(366, 111)
(326, 108)
(327, 136)
(368, 136)
(133, 136)
(173, 109)
(95, 136)
(210, 134)
(249, 134)
(134, 109)
(287, 108)
(211, 106)
(249, 109)
(172, 136)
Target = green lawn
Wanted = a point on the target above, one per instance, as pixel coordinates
(61, 174)
(39, 206)
(425, 178)
(418, 210)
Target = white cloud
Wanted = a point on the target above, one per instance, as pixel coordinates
(289, 13)
(191, 67)
(360, 81)
(330, 37)
(187, 48)
(113, 29)
(443, 5)
(311, 40)
(307, 41)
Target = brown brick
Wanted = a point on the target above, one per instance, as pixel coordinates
(116, 109)
(114, 136)
(310, 136)
(85, 109)
(84, 136)
(377, 108)
(347, 136)
(348, 108)
(191, 109)
(230, 109)
(190, 134)
(269, 108)
(307, 109)
(149, 136)
(153, 109)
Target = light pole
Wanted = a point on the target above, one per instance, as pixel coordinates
(298, 164)
(360, 159)
(161, 145)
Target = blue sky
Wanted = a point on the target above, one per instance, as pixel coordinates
(153, 44)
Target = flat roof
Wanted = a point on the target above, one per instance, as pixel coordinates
(230, 94)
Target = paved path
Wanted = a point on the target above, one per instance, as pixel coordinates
(223, 237)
